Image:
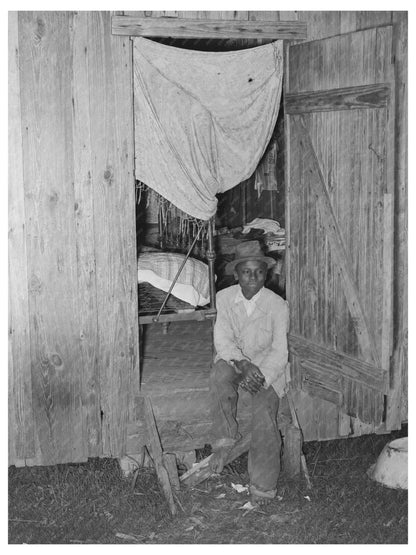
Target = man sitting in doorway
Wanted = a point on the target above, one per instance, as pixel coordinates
(250, 339)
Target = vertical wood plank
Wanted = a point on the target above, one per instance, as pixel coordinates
(373, 19)
(344, 424)
(46, 63)
(291, 202)
(123, 75)
(138, 13)
(21, 431)
(169, 462)
(360, 428)
(387, 318)
(216, 14)
(12, 427)
(85, 240)
(400, 358)
(292, 449)
(348, 22)
(193, 14)
(109, 63)
(263, 15)
(288, 16)
(321, 24)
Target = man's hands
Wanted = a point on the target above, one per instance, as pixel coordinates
(251, 377)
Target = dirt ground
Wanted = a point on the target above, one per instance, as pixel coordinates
(93, 503)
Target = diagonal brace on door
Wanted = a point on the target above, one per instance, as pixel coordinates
(364, 334)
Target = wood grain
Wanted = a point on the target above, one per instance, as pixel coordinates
(339, 253)
(397, 402)
(46, 79)
(85, 239)
(341, 61)
(346, 98)
(111, 118)
(353, 149)
(338, 364)
(207, 28)
(322, 24)
(387, 314)
(50, 155)
(156, 452)
(21, 430)
(66, 61)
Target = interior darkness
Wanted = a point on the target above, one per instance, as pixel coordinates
(212, 45)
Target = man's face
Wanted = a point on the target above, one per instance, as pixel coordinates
(251, 276)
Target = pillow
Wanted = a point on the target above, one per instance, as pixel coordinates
(160, 268)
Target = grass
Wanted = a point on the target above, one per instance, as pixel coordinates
(93, 503)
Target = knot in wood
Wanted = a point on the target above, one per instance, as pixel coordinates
(40, 29)
(56, 360)
(35, 284)
(108, 176)
(53, 197)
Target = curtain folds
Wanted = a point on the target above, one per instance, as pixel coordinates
(202, 119)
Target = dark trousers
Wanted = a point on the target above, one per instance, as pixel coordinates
(265, 446)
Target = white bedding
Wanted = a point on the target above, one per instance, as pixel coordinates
(159, 269)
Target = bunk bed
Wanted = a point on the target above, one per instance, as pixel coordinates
(176, 278)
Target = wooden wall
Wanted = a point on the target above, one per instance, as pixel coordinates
(72, 272)
(73, 338)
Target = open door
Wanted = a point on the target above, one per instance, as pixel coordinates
(339, 120)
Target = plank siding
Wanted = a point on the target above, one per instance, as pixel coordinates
(324, 24)
(45, 73)
(85, 239)
(72, 254)
(397, 403)
(21, 430)
(113, 197)
(401, 194)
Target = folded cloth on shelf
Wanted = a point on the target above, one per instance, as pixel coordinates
(268, 226)
(202, 119)
(160, 268)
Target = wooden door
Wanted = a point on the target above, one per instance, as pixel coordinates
(339, 120)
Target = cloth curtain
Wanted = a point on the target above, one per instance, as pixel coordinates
(202, 119)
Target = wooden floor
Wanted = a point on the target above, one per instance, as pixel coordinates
(175, 370)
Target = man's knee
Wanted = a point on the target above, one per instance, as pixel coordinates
(266, 401)
(223, 373)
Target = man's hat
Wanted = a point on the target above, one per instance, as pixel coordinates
(248, 250)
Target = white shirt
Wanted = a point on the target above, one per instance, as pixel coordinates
(249, 304)
(260, 337)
